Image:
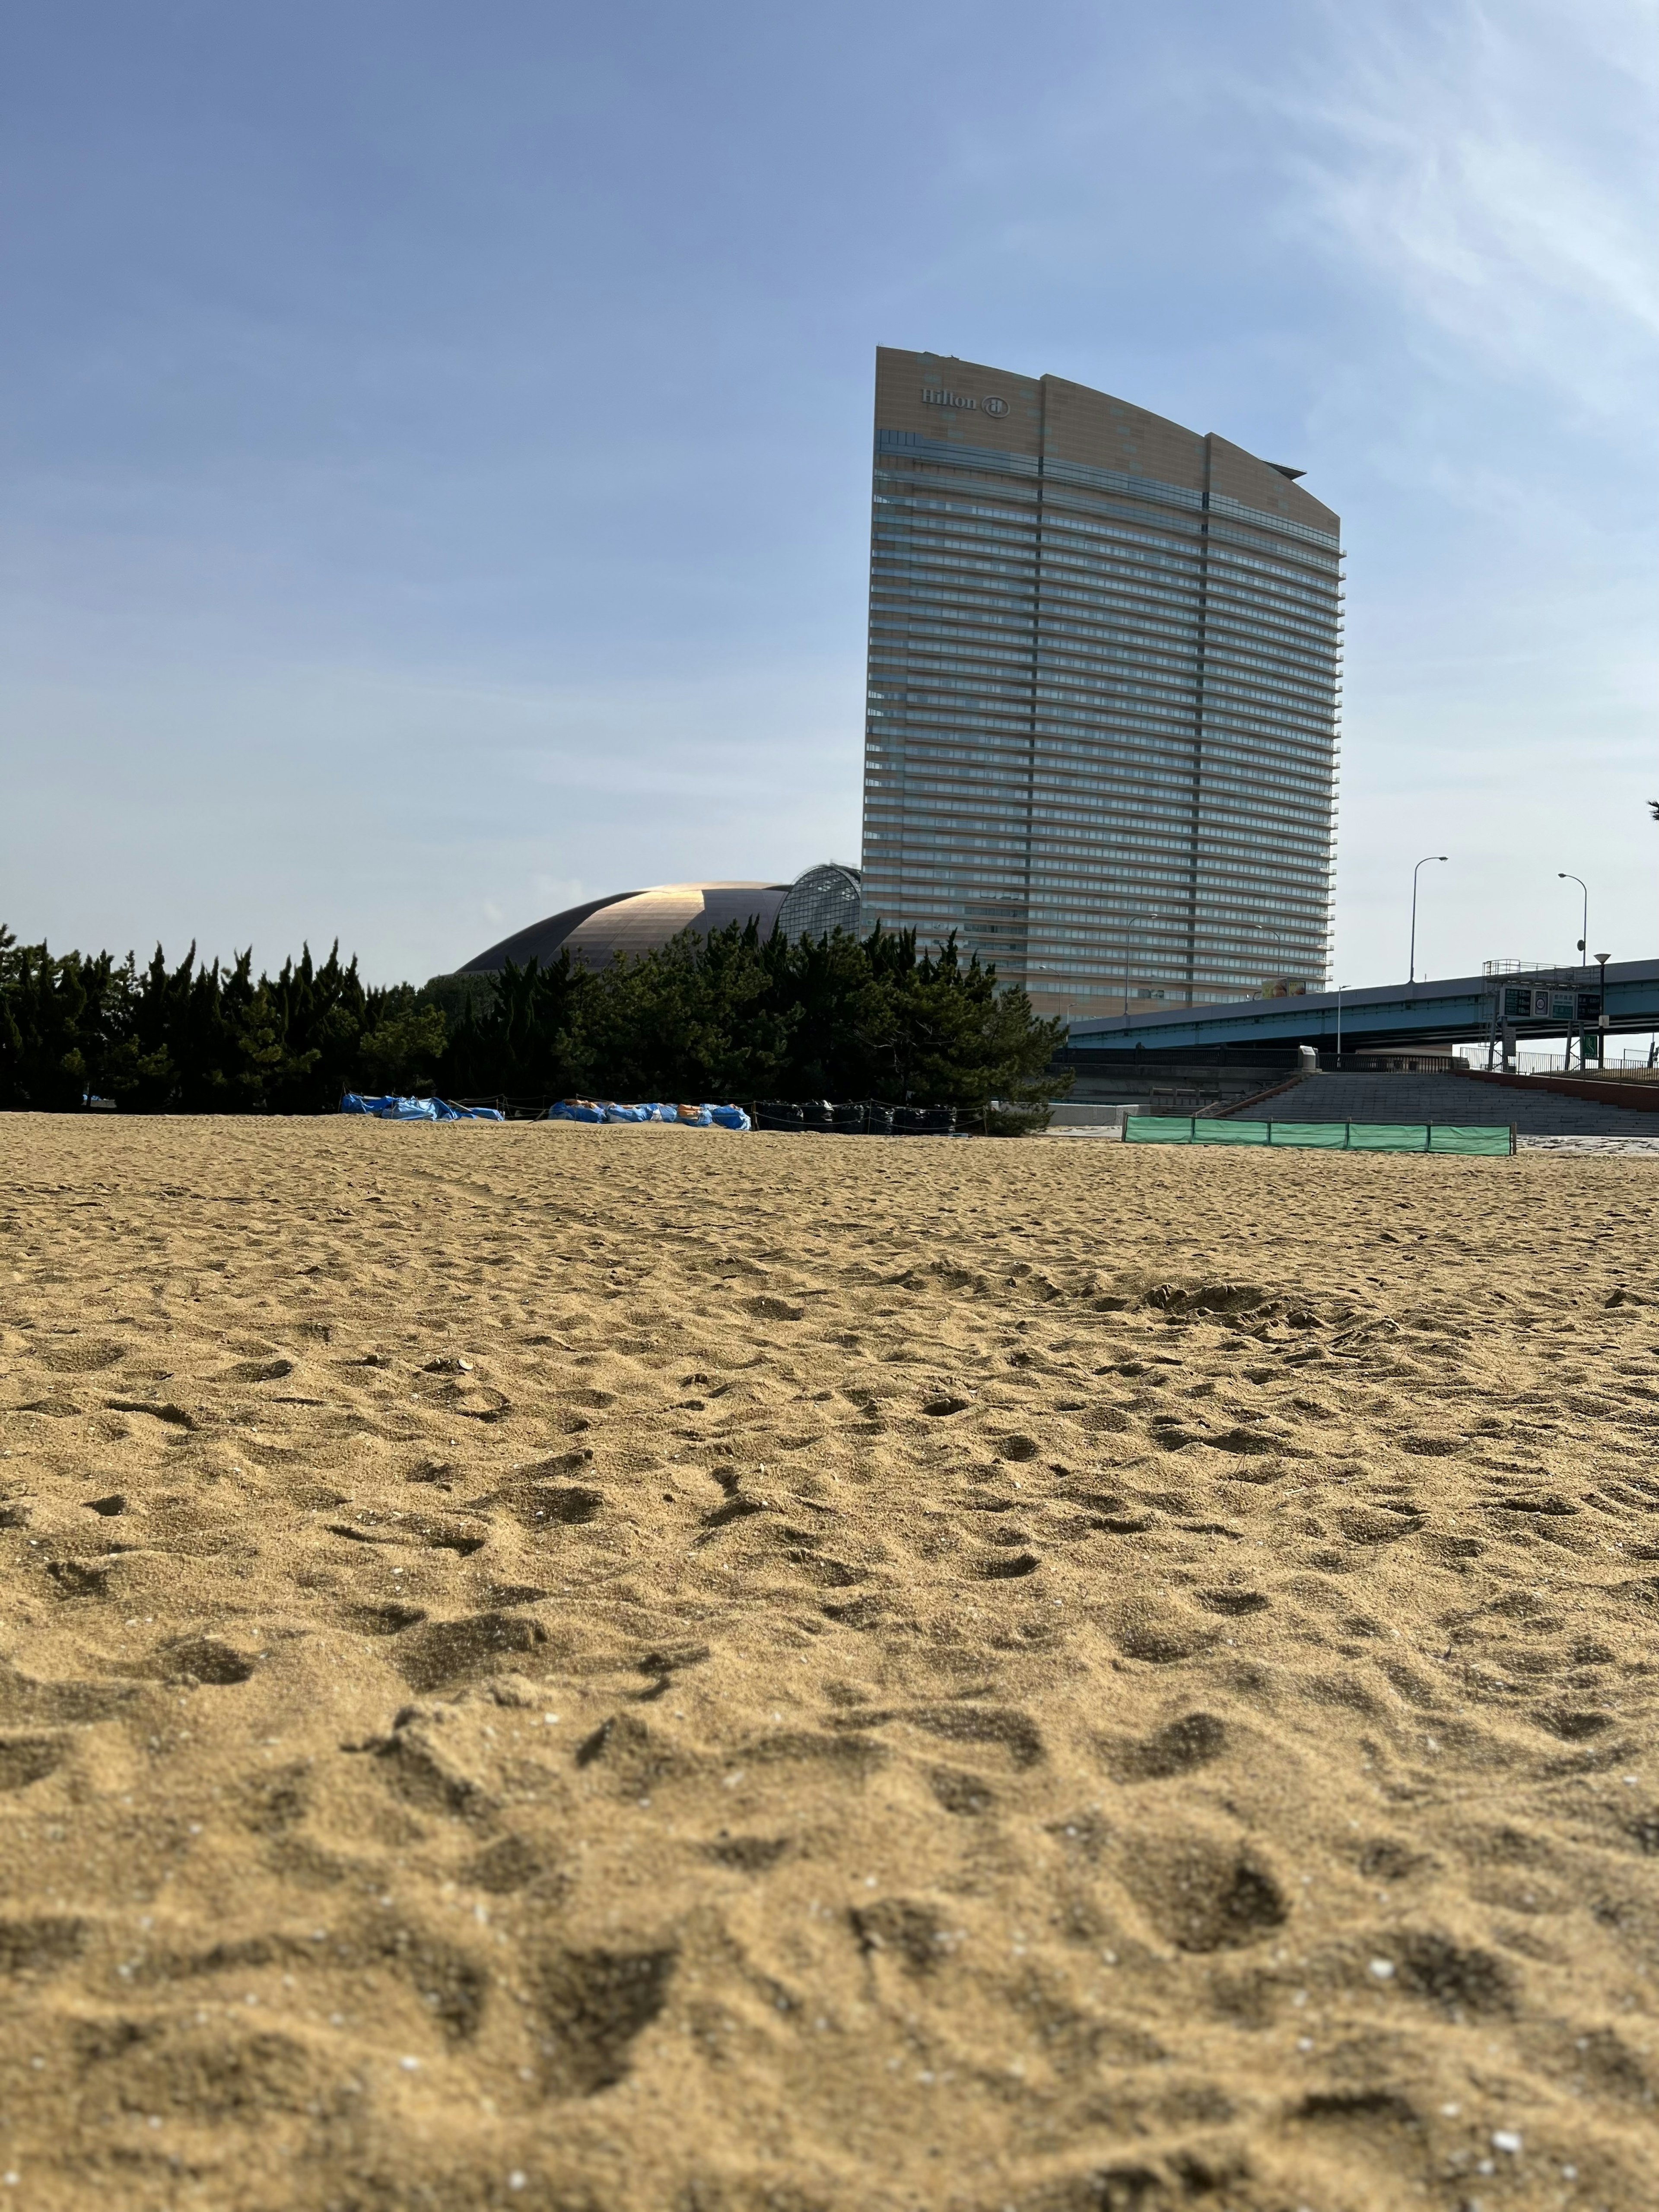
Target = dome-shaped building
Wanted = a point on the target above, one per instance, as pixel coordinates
(824, 898)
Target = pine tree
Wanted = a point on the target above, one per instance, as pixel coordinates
(731, 1015)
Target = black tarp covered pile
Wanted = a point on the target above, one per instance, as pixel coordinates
(856, 1117)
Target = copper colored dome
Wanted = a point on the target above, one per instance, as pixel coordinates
(596, 932)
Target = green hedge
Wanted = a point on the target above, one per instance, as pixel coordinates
(731, 1015)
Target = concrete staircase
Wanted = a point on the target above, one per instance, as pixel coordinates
(1390, 1098)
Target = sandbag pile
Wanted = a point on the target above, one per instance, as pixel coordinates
(855, 1117)
(417, 1109)
(682, 1117)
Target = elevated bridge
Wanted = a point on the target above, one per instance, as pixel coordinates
(1528, 1008)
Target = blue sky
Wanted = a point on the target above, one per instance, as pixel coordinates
(437, 440)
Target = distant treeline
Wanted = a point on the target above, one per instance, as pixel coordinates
(733, 1015)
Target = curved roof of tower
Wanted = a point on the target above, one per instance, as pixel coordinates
(634, 922)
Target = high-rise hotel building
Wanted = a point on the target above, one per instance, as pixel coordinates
(1102, 743)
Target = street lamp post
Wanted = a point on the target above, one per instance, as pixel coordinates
(1411, 975)
(1583, 944)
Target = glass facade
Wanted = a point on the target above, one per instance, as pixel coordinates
(1102, 734)
(822, 900)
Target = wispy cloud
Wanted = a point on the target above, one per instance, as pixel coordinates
(1496, 172)
(1475, 184)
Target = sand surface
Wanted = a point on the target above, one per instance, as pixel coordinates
(631, 1668)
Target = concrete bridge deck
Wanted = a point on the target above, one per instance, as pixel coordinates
(1387, 1017)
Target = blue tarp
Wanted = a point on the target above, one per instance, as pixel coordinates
(417, 1109)
(682, 1117)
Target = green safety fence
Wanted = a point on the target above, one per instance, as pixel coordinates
(1319, 1136)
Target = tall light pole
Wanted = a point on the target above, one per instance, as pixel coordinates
(1410, 976)
(1582, 943)
(1565, 878)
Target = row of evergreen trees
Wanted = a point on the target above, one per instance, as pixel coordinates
(733, 1015)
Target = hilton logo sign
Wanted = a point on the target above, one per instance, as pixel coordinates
(935, 396)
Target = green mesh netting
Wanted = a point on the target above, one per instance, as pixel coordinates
(1318, 1136)
(1158, 1129)
(1311, 1136)
(1387, 1136)
(1447, 1136)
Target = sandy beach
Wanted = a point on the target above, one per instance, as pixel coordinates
(622, 1669)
